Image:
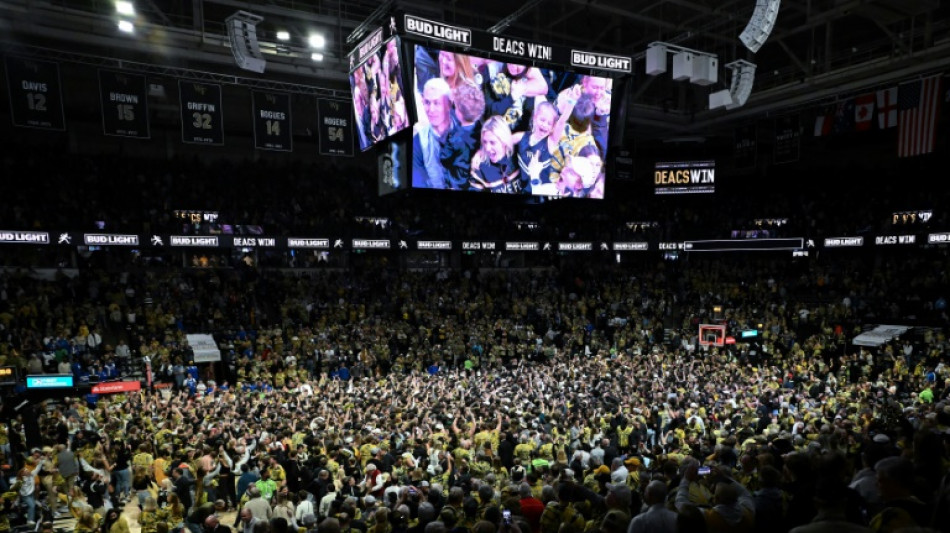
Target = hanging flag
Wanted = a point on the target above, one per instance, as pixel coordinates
(824, 121)
(887, 108)
(844, 117)
(918, 104)
(864, 112)
(835, 119)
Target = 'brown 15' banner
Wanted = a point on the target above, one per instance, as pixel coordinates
(124, 102)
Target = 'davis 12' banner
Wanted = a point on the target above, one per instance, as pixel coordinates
(335, 127)
(202, 118)
(36, 94)
(124, 99)
(272, 125)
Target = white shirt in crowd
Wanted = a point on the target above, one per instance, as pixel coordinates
(304, 508)
(122, 350)
(325, 504)
(93, 340)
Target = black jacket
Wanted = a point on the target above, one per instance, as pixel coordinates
(183, 489)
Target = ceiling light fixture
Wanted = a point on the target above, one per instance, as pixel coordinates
(125, 8)
(317, 40)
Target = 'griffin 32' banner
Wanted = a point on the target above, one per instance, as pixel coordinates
(202, 117)
(124, 99)
(335, 130)
(36, 94)
(272, 124)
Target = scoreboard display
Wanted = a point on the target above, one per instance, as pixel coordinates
(507, 127)
(509, 115)
(685, 177)
(376, 82)
(49, 381)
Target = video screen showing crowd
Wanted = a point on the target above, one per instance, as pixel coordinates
(490, 126)
(378, 100)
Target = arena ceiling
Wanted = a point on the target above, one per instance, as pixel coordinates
(818, 51)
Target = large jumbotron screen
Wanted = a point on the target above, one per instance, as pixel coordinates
(492, 126)
(378, 101)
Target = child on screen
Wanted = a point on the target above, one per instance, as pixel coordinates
(534, 148)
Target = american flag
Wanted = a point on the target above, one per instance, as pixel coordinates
(918, 104)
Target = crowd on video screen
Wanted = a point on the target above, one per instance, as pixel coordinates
(486, 125)
(378, 100)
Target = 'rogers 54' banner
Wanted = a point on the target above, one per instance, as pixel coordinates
(335, 130)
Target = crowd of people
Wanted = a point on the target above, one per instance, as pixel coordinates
(550, 401)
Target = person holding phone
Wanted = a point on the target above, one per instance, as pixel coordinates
(692, 489)
(730, 509)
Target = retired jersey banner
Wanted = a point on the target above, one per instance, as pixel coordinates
(788, 139)
(746, 146)
(335, 127)
(202, 117)
(36, 94)
(272, 125)
(124, 99)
